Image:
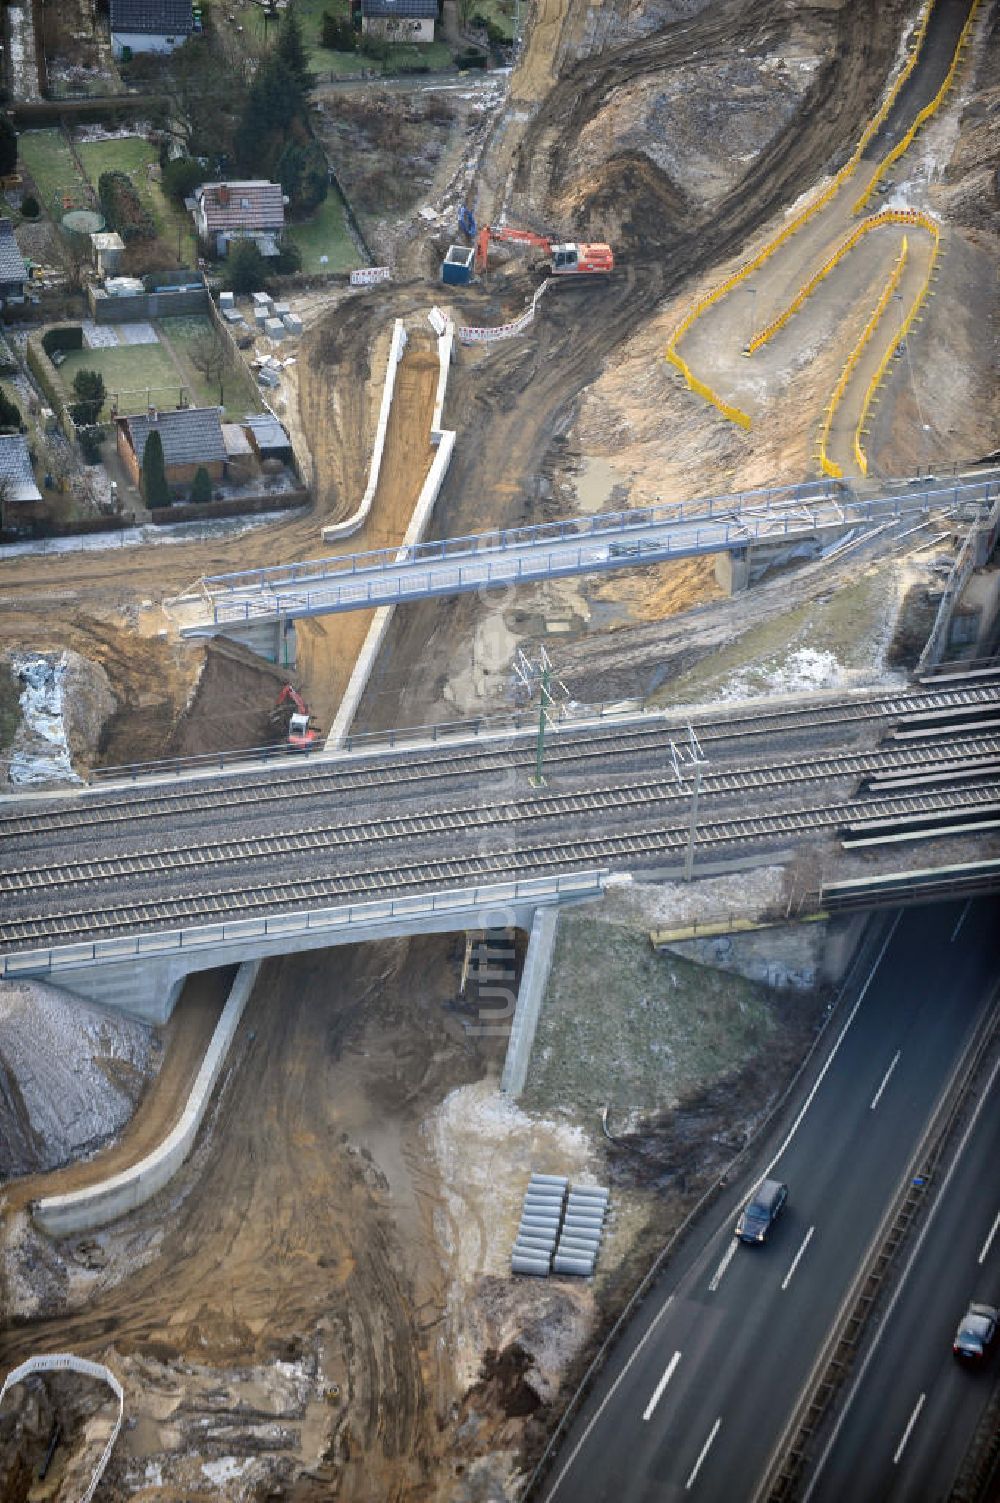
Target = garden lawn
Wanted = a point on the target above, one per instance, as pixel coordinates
(130, 371)
(326, 234)
(48, 158)
(432, 56)
(240, 394)
(132, 155)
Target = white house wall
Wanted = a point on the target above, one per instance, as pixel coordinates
(143, 41)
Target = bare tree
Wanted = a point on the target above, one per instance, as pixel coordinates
(209, 354)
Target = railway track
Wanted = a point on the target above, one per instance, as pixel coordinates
(971, 757)
(624, 851)
(564, 748)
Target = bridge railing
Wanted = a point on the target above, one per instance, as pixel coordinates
(282, 926)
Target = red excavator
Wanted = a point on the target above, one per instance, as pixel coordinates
(567, 259)
(300, 734)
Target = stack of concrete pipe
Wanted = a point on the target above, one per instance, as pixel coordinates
(580, 1235)
(541, 1217)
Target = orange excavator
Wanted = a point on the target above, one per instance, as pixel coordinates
(567, 259)
(301, 735)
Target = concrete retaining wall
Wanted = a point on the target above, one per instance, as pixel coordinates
(357, 519)
(794, 957)
(82, 1210)
(444, 441)
(534, 979)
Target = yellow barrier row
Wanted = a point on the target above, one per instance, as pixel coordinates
(924, 115)
(828, 466)
(862, 459)
(742, 272)
(874, 222)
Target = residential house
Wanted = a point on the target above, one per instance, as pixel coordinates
(253, 210)
(17, 477)
(268, 438)
(149, 25)
(399, 20)
(191, 437)
(13, 272)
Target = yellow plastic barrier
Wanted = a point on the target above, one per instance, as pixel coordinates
(924, 115)
(874, 222)
(828, 466)
(794, 225)
(928, 224)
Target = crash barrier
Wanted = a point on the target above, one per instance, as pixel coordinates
(925, 221)
(924, 115)
(96, 1205)
(61, 1362)
(443, 442)
(369, 275)
(471, 334)
(827, 465)
(357, 519)
(735, 414)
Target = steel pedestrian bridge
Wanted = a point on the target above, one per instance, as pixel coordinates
(579, 545)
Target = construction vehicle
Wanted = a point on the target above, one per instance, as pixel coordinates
(300, 733)
(567, 259)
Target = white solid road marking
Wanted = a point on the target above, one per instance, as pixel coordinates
(961, 920)
(727, 1258)
(703, 1453)
(909, 1426)
(989, 1239)
(795, 1261)
(658, 1390)
(833, 1052)
(885, 1079)
(608, 1397)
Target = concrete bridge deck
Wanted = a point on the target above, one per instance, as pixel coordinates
(645, 535)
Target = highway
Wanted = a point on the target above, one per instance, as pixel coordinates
(912, 1412)
(322, 833)
(699, 1391)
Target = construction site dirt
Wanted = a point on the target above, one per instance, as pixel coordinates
(318, 1306)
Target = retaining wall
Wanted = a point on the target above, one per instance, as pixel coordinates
(443, 439)
(534, 979)
(357, 519)
(82, 1210)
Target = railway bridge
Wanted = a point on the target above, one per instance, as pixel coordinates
(118, 892)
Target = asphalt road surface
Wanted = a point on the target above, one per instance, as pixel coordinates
(706, 1378)
(913, 1411)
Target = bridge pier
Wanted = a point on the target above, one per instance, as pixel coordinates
(273, 640)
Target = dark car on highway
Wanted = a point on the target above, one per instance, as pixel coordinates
(761, 1211)
(977, 1332)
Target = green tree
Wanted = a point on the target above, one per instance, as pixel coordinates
(30, 206)
(289, 259)
(182, 176)
(10, 414)
(315, 180)
(288, 170)
(276, 102)
(245, 268)
(292, 51)
(90, 393)
(201, 486)
(8, 146)
(338, 34)
(154, 475)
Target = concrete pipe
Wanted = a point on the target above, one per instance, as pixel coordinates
(581, 1267)
(549, 1179)
(547, 1202)
(535, 1245)
(549, 1218)
(539, 1267)
(586, 1223)
(540, 1229)
(572, 1249)
(592, 1192)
